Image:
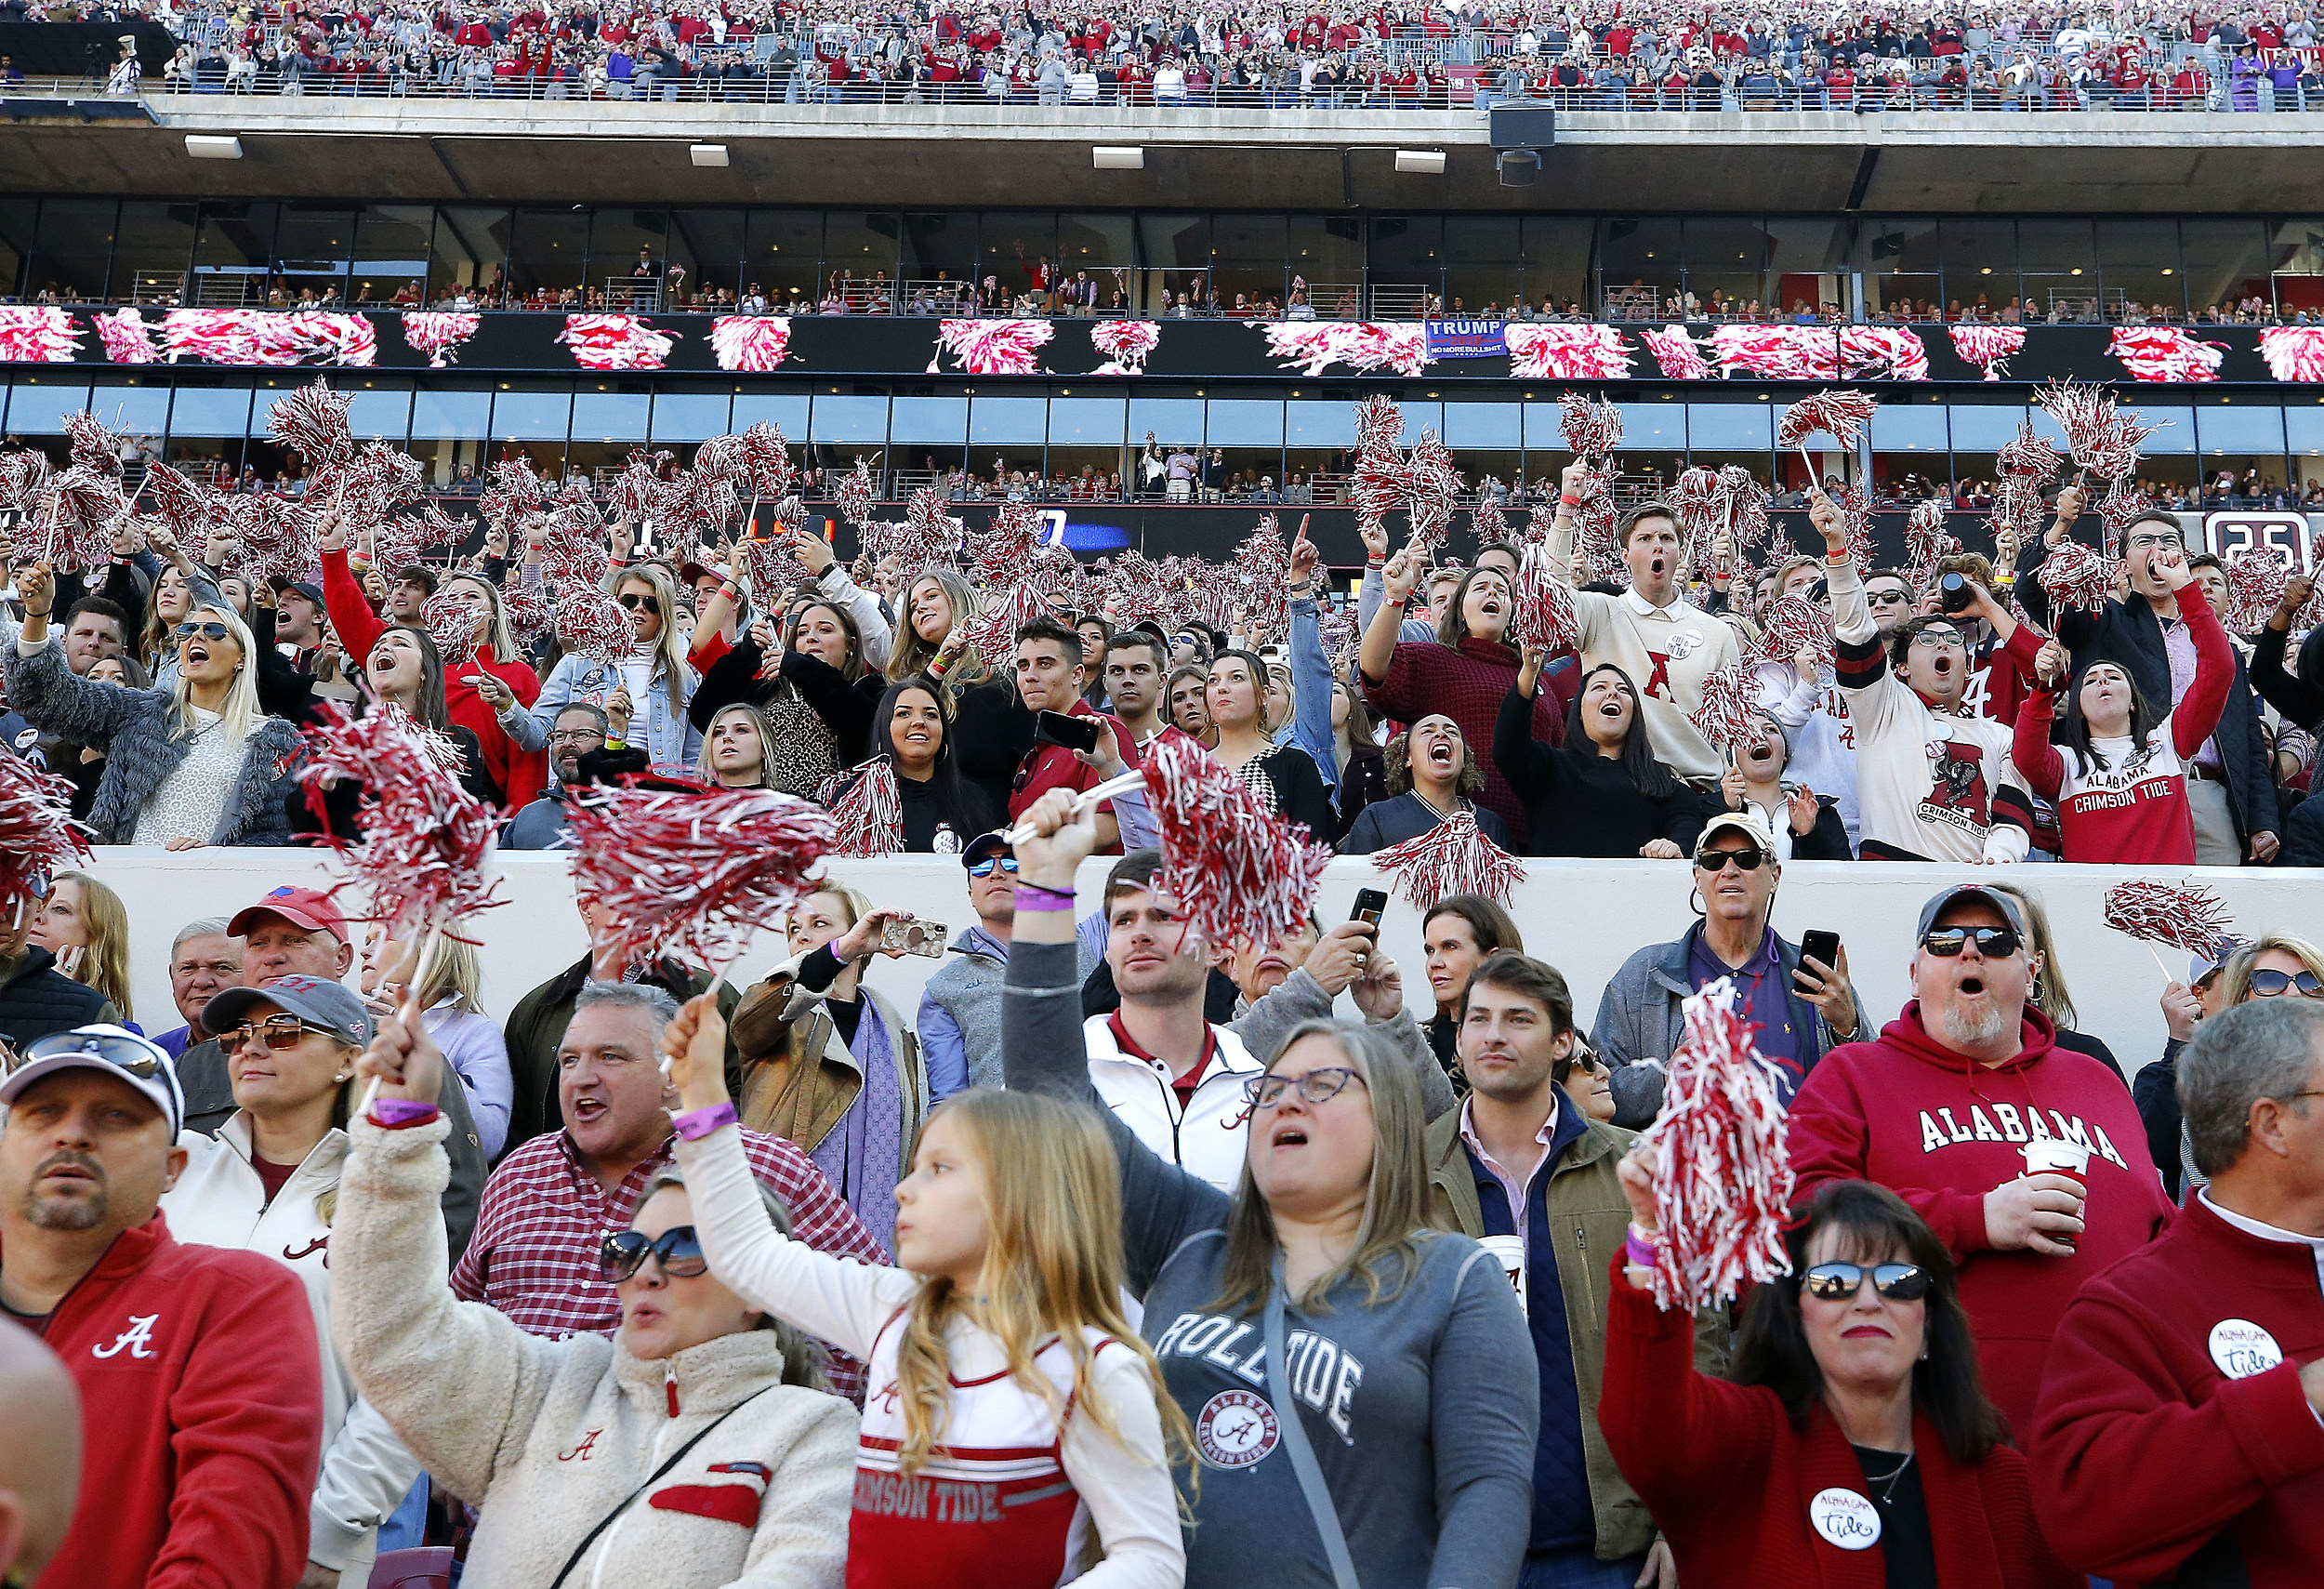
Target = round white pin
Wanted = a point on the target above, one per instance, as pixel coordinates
(2241, 1349)
(1845, 1519)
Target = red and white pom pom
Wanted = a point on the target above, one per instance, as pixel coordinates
(439, 333)
(37, 834)
(2122, 502)
(1729, 700)
(1432, 488)
(278, 537)
(1795, 624)
(1721, 1161)
(1379, 423)
(573, 548)
(1487, 523)
(2294, 353)
(24, 480)
(1927, 540)
(186, 508)
(772, 566)
(2028, 455)
(1540, 351)
(1237, 871)
(2255, 583)
(312, 421)
(1855, 514)
(1541, 615)
(993, 346)
(1452, 857)
(425, 839)
(1262, 566)
(855, 494)
(1592, 429)
(693, 873)
(1776, 352)
(2191, 916)
(755, 342)
(869, 816)
(2077, 577)
(1989, 348)
(1699, 498)
(526, 608)
(95, 448)
(1747, 500)
(767, 461)
(1127, 345)
(591, 624)
(1840, 415)
(455, 626)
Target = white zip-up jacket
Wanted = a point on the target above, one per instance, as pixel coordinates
(549, 1437)
(1205, 1139)
(219, 1202)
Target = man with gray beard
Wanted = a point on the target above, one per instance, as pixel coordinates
(2026, 1160)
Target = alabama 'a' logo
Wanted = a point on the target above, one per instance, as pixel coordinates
(582, 1449)
(136, 1340)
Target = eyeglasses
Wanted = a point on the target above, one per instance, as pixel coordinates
(676, 1250)
(984, 868)
(278, 1032)
(1315, 1087)
(1935, 635)
(634, 599)
(1993, 943)
(2275, 984)
(207, 631)
(1841, 1282)
(578, 736)
(128, 1053)
(2151, 542)
(1750, 858)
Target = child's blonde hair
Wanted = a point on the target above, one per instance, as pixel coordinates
(1053, 1267)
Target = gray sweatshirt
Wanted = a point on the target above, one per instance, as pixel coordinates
(1422, 1407)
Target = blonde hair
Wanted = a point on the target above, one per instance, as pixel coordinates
(766, 747)
(669, 648)
(105, 963)
(2234, 982)
(456, 969)
(1395, 1200)
(909, 654)
(497, 635)
(2050, 995)
(241, 713)
(1053, 1268)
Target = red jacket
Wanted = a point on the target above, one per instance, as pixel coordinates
(521, 773)
(1941, 1130)
(1730, 1480)
(201, 1417)
(2147, 1455)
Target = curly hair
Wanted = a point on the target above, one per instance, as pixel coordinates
(1396, 766)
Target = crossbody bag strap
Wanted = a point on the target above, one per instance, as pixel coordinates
(650, 1480)
(1302, 1455)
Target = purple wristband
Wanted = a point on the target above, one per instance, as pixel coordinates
(1640, 1249)
(696, 1125)
(1043, 899)
(402, 1114)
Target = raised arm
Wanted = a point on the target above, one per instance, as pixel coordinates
(2196, 718)
(2042, 762)
(1378, 652)
(1529, 765)
(1311, 670)
(2295, 693)
(48, 693)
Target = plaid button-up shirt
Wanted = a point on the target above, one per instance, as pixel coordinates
(534, 1256)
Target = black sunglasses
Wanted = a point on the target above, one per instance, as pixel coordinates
(1840, 1282)
(1993, 943)
(212, 630)
(676, 1250)
(1751, 858)
(984, 868)
(2274, 984)
(634, 599)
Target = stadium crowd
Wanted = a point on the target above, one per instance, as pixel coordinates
(338, 1263)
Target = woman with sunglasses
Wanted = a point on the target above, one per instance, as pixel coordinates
(192, 764)
(646, 696)
(1854, 1442)
(269, 1183)
(1315, 1307)
(695, 1449)
(2275, 966)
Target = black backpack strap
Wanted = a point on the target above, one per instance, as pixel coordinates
(651, 1479)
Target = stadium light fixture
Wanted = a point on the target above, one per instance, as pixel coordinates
(206, 146)
(707, 154)
(1117, 157)
(1422, 162)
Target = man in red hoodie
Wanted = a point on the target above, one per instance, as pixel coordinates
(201, 1387)
(2181, 1431)
(1945, 1109)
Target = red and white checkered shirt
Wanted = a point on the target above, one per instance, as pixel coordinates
(534, 1256)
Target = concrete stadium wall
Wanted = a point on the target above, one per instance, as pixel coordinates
(1585, 916)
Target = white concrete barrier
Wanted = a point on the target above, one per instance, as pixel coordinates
(1584, 917)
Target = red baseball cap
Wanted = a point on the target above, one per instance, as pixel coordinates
(306, 907)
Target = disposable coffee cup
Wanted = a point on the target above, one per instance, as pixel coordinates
(1509, 1253)
(2050, 1155)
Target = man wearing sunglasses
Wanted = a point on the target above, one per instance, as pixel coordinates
(2181, 1430)
(1801, 1007)
(200, 1379)
(960, 1014)
(1941, 1107)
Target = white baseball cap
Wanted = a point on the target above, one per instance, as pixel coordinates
(114, 1050)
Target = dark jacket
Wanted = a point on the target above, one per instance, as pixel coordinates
(1362, 781)
(2128, 632)
(1393, 819)
(2303, 834)
(36, 999)
(2298, 695)
(537, 1028)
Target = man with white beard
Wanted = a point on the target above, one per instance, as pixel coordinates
(1966, 1109)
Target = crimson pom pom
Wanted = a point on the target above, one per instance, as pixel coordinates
(94, 448)
(1452, 857)
(2102, 440)
(1262, 566)
(37, 833)
(1487, 523)
(1838, 413)
(855, 495)
(1238, 872)
(1379, 424)
(526, 608)
(1006, 557)
(1541, 609)
(1592, 429)
(2255, 583)
(1699, 499)
(455, 626)
(1926, 538)
(313, 420)
(869, 816)
(2077, 577)
(772, 566)
(1856, 511)
(2191, 918)
(1431, 486)
(184, 507)
(278, 537)
(573, 545)
(767, 461)
(2028, 455)
(2122, 502)
(694, 873)
(24, 479)
(1730, 698)
(591, 624)
(1721, 1161)
(1792, 625)
(425, 838)
(630, 498)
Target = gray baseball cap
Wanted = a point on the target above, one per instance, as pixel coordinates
(330, 1005)
(1960, 891)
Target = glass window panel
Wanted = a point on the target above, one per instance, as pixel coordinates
(1980, 255)
(380, 409)
(610, 416)
(1173, 421)
(77, 238)
(1419, 416)
(1984, 426)
(709, 243)
(1095, 243)
(1246, 423)
(195, 411)
(2226, 261)
(850, 418)
(1248, 254)
(2058, 266)
(1909, 428)
(861, 242)
(1651, 427)
(2240, 430)
(1004, 421)
(2175, 430)
(312, 244)
(1557, 258)
(1639, 266)
(615, 235)
(1176, 252)
(1327, 252)
(784, 410)
(17, 225)
(922, 421)
(1899, 262)
(133, 410)
(783, 255)
(530, 414)
(391, 244)
(1545, 431)
(1483, 266)
(1095, 421)
(1727, 256)
(690, 415)
(471, 250)
(151, 250)
(233, 251)
(38, 406)
(1497, 425)
(1730, 427)
(1323, 424)
(940, 245)
(1806, 261)
(2304, 430)
(1406, 267)
(438, 415)
(551, 250)
(2297, 253)
(2138, 262)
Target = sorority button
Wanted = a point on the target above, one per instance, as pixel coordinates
(2241, 1349)
(1845, 1519)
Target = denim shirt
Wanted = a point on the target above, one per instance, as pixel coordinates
(668, 739)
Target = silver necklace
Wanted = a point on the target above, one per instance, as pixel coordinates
(1890, 1479)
